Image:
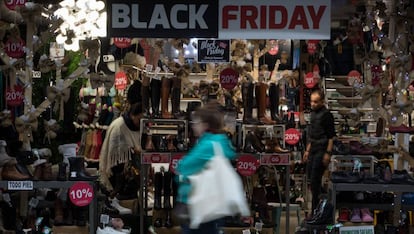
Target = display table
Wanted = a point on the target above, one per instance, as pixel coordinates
(227, 230)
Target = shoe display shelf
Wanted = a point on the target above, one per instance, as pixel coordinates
(397, 189)
(29, 185)
(353, 163)
(276, 131)
(173, 131)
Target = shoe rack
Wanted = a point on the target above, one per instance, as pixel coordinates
(161, 141)
(33, 185)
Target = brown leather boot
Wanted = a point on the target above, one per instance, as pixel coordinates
(277, 147)
(261, 104)
(165, 94)
(10, 172)
(170, 146)
(149, 145)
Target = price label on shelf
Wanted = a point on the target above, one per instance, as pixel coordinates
(81, 194)
(20, 185)
(175, 159)
(247, 164)
(275, 159)
(148, 158)
(292, 136)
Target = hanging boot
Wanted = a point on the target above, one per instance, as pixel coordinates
(247, 96)
(77, 170)
(157, 190)
(167, 189)
(145, 93)
(176, 97)
(274, 102)
(165, 94)
(261, 104)
(155, 97)
(62, 172)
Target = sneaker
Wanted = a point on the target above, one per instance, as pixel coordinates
(344, 215)
(366, 215)
(356, 215)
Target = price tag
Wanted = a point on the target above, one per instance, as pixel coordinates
(81, 194)
(292, 136)
(20, 185)
(36, 74)
(15, 97)
(12, 4)
(121, 80)
(148, 158)
(175, 159)
(312, 46)
(122, 42)
(310, 80)
(14, 48)
(229, 78)
(247, 164)
(275, 159)
(104, 218)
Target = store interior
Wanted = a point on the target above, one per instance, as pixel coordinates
(63, 81)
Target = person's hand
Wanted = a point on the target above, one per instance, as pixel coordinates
(305, 156)
(326, 159)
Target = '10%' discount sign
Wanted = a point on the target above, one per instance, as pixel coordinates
(81, 194)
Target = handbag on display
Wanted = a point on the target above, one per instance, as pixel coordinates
(217, 191)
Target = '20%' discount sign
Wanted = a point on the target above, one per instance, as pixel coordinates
(247, 165)
(229, 78)
(292, 136)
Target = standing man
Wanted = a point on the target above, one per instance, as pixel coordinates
(319, 149)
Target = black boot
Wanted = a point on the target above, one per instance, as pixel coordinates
(157, 190)
(167, 189)
(323, 214)
(168, 221)
(176, 97)
(62, 172)
(77, 169)
(155, 97)
(248, 144)
(274, 102)
(247, 96)
(9, 215)
(145, 93)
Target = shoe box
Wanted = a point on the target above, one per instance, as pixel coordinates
(70, 229)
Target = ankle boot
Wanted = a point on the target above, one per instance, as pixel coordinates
(157, 190)
(248, 144)
(247, 96)
(77, 170)
(145, 93)
(163, 146)
(261, 103)
(274, 102)
(62, 172)
(149, 145)
(277, 147)
(170, 146)
(10, 172)
(167, 189)
(155, 97)
(176, 96)
(165, 94)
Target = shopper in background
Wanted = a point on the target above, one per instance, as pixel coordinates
(122, 139)
(319, 148)
(207, 124)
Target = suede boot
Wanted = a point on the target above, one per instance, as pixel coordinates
(4, 157)
(10, 172)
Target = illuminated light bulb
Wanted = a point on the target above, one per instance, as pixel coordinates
(60, 39)
(67, 3)
(100, 5)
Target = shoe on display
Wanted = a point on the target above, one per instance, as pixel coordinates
(366, 215)
(344, 214)
(356, 215)
(122, 210)
(111, 230)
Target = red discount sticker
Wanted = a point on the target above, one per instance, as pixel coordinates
(310, 80)
(312, 46)
(15, 97)
(81, 194)
(12, 4)
(122, 42)
(354, 77)
(148, 158)
(292, 136)
(175, 159)
(14, 48)
(247, 164)
(229, 78)
(121, 80)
